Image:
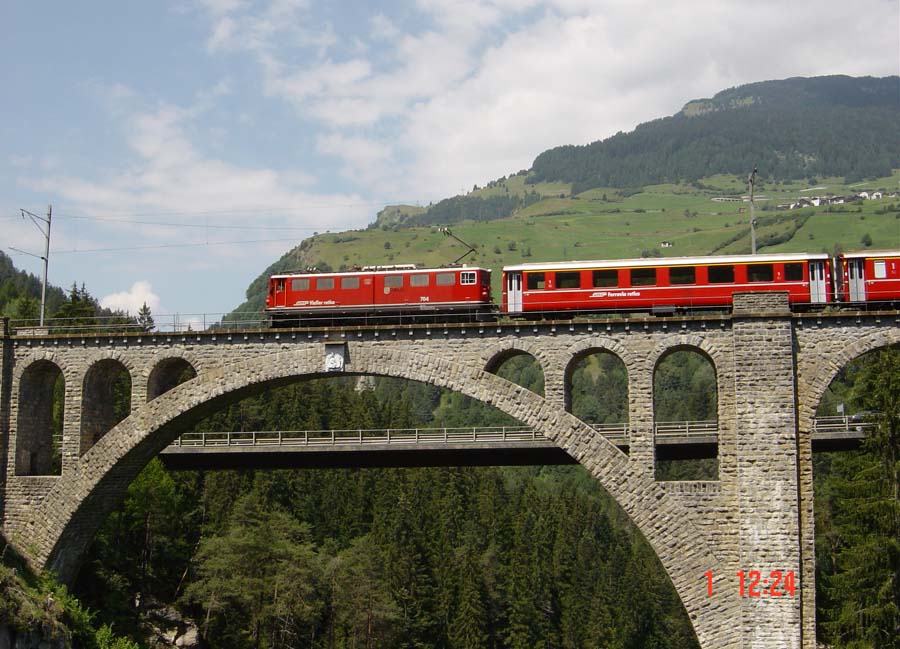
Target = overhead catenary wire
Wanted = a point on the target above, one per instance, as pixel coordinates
(170, 245)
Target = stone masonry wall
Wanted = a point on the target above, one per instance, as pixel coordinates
(767, 470)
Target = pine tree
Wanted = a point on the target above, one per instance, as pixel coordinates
(864, 591)
(145, 319)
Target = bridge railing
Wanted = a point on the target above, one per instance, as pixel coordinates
(358, 436)
(617, 433)
(671, 429)
(841, 424)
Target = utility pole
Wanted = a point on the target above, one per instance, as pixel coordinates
(34, 219)
(751, 180)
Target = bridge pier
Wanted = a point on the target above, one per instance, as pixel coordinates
(768, 465)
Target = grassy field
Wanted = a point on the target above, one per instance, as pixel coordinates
(626, 225)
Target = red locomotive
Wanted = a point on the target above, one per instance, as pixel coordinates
(378, 293)
(662, 286)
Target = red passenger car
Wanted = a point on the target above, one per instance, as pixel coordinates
(662, 285)
(379, 292)
(870, 277)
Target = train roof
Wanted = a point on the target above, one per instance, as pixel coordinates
(379, 270)
(877, 254)
(670, 261)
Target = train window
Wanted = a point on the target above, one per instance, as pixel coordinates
(300, 284)
(467, 277)
(643, 276)
(445, 279)
(683, 275)
(760, 273)
(325, 284)
(418, 280)
(535, 281)
(793, 272)
(880, 269)
(279, 285)
(606, 277)
(393, 281)
(721, 274)
(349, 282)
(568, 279)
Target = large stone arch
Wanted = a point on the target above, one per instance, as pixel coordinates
(817, 376)
(62, 526)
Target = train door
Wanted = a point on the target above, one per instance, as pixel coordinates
(817, 285)
(514, 291)
(856, 278)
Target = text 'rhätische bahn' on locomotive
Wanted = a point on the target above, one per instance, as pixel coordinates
(407, 293)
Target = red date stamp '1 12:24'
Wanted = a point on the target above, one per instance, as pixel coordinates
(752, 584)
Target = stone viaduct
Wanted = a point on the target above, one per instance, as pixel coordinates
(772, 369)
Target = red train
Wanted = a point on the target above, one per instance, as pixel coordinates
(380, 292)
(662, 286)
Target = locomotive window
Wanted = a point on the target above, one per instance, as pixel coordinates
(325, 284)
(349, 282)
(643, 276)
(606, 277)
(568, 280)
(279, 285)
(300, 284)
(393, 281)
(880, 269)
(683, 275)
(793, 272)
(445, 279)
(721, 274)
(467, 277)
(418, 280)
(535, 281)
(760, 273)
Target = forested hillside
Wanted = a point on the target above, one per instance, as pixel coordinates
(789, 129)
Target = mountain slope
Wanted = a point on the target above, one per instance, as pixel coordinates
(789, 129)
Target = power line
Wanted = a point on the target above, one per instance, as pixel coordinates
(192, 225)
(170, 245)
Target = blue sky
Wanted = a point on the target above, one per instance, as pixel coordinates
(187, 144)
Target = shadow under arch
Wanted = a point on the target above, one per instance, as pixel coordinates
(64, 523)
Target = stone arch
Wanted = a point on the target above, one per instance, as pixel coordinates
(698, 460)
(500, 354)
(826, 369)
(579, 352)
(694, 344)
(36, 453)
(61, 527)
(166, 372)
(100, 406)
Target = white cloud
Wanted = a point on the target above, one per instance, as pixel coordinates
(487, 85)
(133, 299)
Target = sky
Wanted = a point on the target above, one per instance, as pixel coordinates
(185, 145)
